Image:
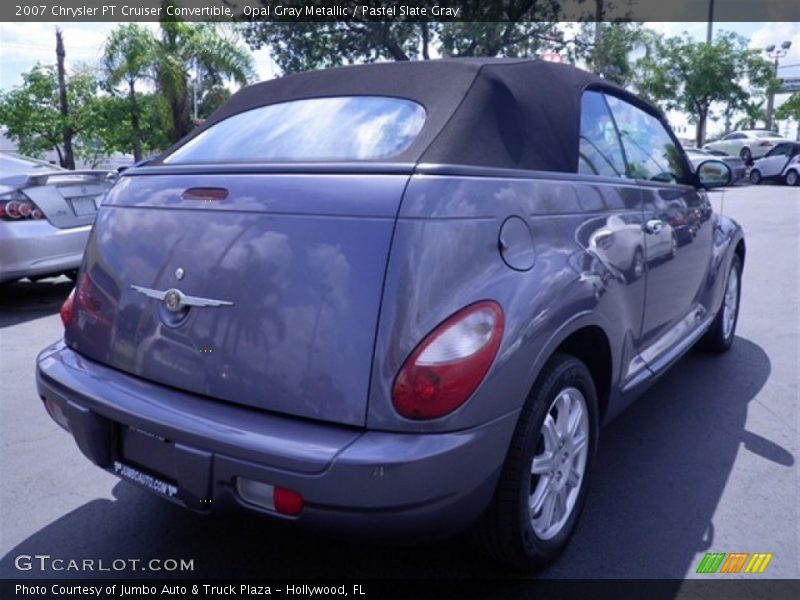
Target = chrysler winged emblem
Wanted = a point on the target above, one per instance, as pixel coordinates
(174, 300)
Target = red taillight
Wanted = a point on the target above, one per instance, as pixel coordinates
(12, 210)
(16, 206)
(450, 363)
(67, 309)
(765, 144)
(287, 502)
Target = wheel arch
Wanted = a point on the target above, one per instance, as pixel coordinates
(591, 345)
(588, 341)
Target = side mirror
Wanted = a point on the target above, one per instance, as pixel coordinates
(713, 174)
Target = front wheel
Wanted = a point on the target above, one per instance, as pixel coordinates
(792, 178)
(755, 176)
(545, 478)
(719, 337)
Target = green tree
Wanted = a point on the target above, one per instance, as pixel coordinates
(32, 116)
(129, 58)
(205, 52)
(521, 28)
(607, 48)
(693, 76)
(790, 110)
(753, 110)
(113, 131)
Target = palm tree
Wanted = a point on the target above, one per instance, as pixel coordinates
(210, 50)
(754, 109)
(129, 57)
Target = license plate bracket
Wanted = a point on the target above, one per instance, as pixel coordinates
(151, 482)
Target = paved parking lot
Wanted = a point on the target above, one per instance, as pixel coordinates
(706, 461)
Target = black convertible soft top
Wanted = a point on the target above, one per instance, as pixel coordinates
(508, 113)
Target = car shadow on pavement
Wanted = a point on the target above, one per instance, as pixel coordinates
(25, 300)
(661, 470)
(663, 466)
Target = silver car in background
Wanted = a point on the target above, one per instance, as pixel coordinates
(46, 213)
(737, 165)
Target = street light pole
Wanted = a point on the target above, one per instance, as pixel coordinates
(776, 54)
(710, 30)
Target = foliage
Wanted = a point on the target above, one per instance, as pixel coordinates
(610, 55)
(210, 52)
(523, 28)
(789, 109)
(182, 55)
(692, 76)
(754, 111)
(32, 117)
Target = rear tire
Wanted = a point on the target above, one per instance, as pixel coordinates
(755, 177)
(746, 155)
(792, 178)
(545, 478)
(720, 336)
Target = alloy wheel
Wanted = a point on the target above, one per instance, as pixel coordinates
(559, 466)
(730, 303)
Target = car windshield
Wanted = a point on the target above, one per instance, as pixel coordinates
(315, 129)
(12, 164)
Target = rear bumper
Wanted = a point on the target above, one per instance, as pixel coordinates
(352, 480)
(37, 248)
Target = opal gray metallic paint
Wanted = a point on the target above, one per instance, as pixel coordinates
(420, 244)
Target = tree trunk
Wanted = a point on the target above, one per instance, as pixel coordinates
(68, 161)
(135, 124)
(700, 138)
(426, 40)
(598, 38)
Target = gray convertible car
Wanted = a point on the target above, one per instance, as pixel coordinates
(394, 300)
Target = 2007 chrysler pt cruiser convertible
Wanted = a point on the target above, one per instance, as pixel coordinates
(394, 299)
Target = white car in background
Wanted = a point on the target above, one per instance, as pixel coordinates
(748, 144)
(781, 164)
(46, 213)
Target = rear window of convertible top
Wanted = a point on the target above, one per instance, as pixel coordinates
(315, 129)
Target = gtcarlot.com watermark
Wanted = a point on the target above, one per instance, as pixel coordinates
(47, 563)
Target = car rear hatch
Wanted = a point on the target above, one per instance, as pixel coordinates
(68, 198)
(279, 277)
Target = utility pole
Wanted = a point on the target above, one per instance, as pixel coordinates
(776, 54)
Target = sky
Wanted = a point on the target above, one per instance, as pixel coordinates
(22, 45)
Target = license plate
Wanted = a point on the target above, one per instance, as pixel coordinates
(84, 205)
(159, 486)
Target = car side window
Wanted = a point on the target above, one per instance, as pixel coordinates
(600, 152)
(734, 136)
(651, 152)
(780, 150)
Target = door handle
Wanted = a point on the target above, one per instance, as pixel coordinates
(653, 226)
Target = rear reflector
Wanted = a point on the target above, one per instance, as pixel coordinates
(55, 412)
(276, 499)
(67, 309)
(207, 194)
